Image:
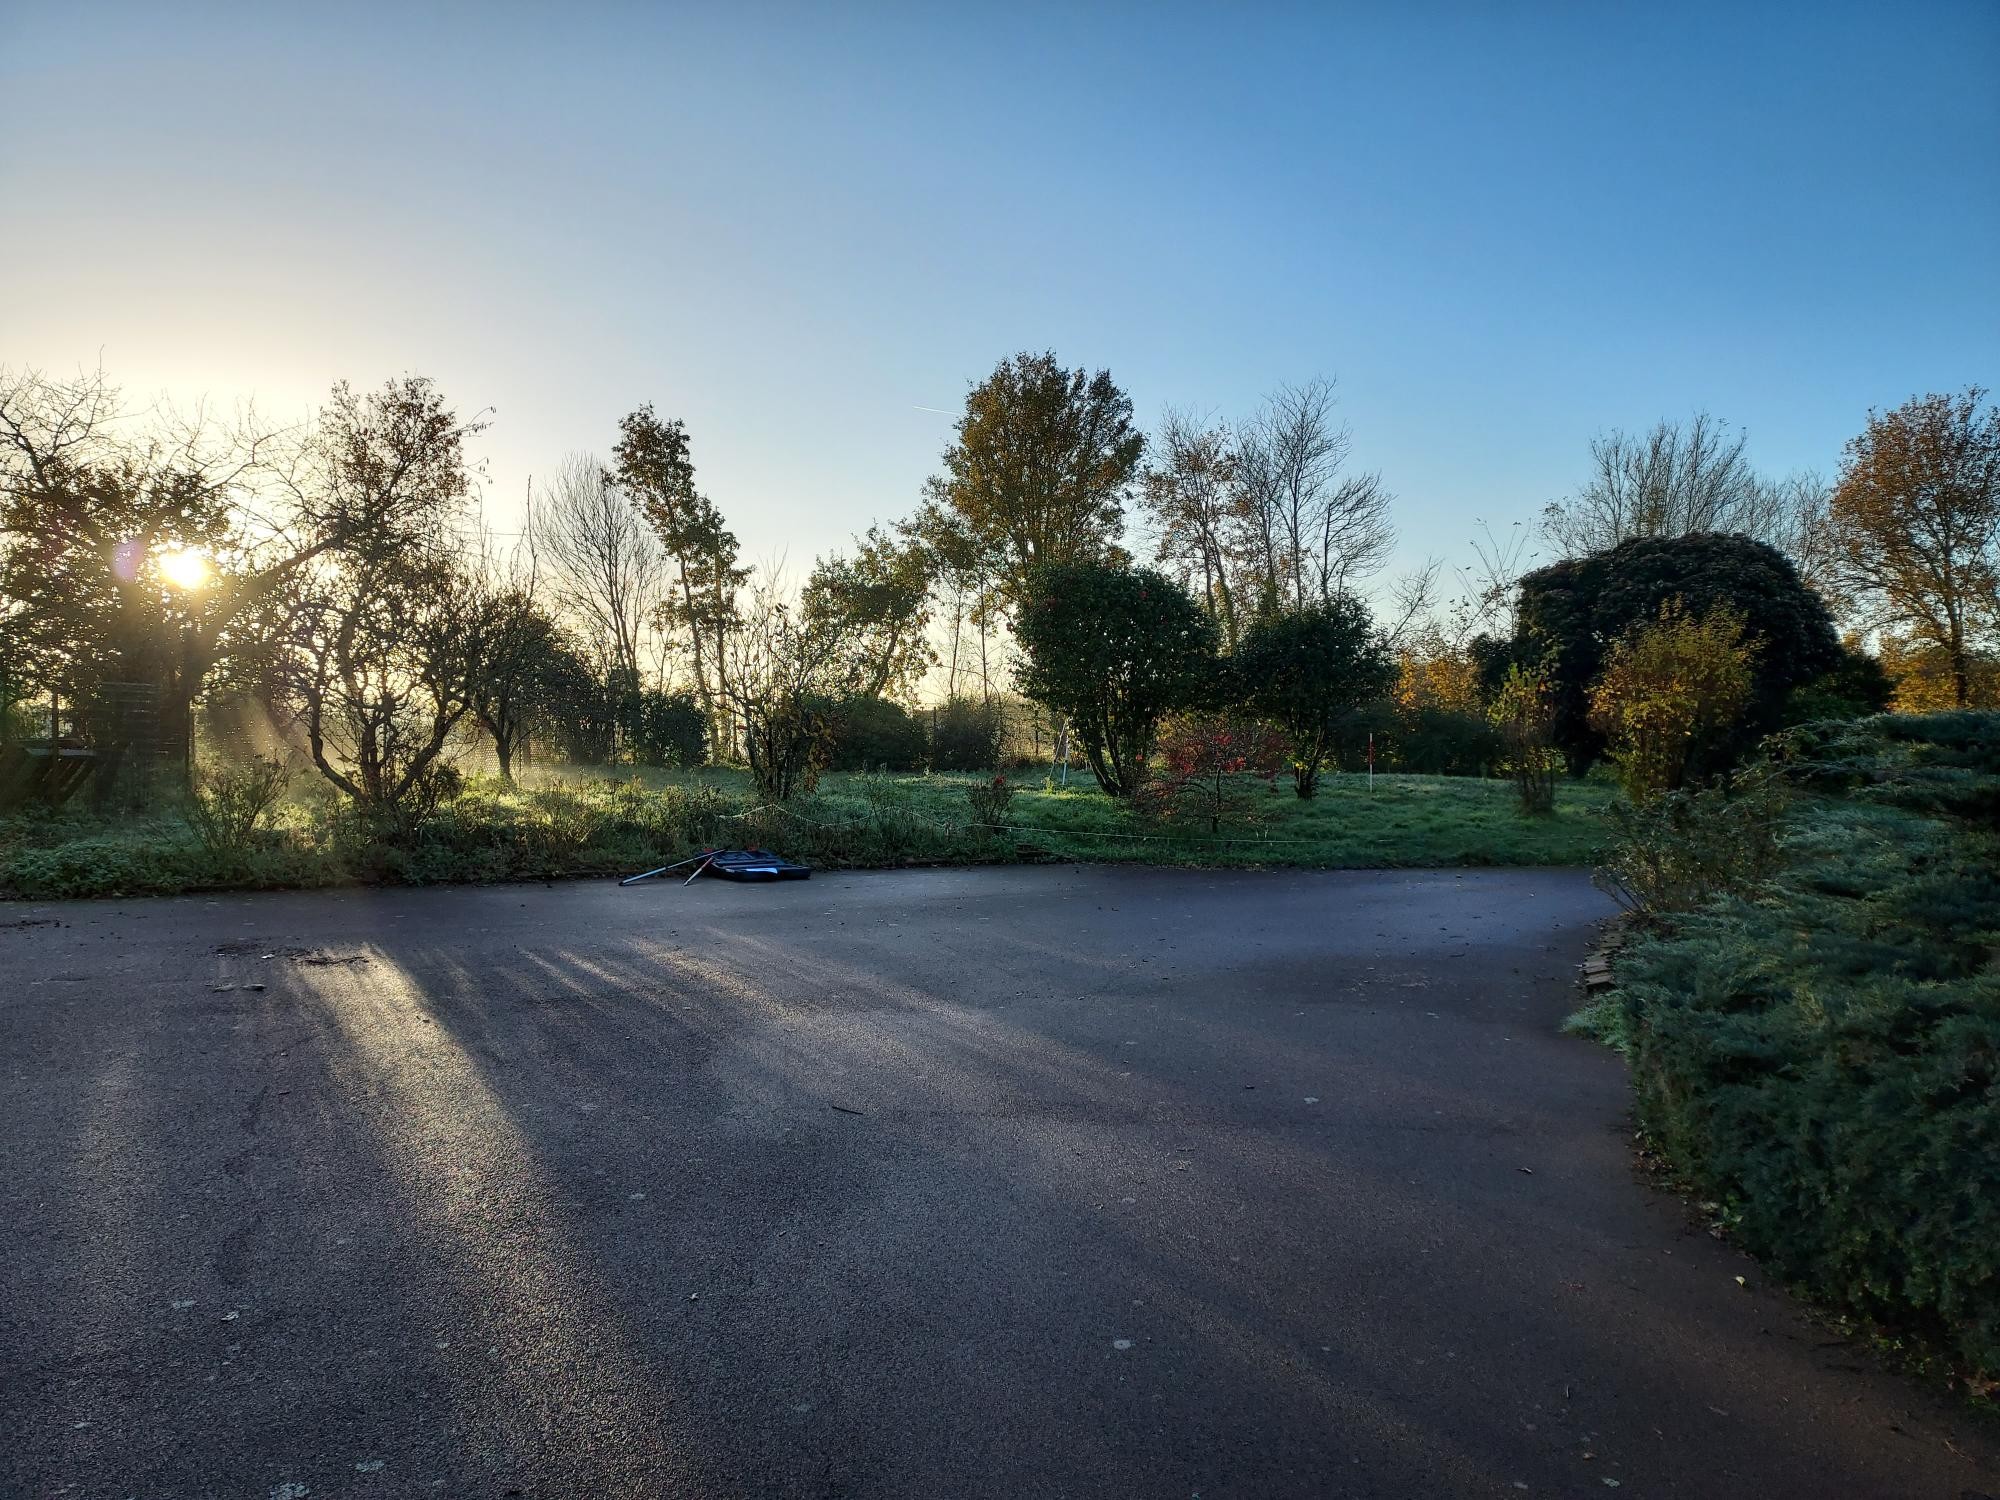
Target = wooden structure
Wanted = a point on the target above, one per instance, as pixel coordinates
(48, 772)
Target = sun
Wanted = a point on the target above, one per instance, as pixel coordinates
(184, 568)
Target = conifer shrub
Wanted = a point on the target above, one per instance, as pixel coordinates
(1819, 1051)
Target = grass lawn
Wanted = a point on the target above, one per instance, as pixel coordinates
(1400, 820)
(585, 823)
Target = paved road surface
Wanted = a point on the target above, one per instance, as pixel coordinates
(1028, 1182)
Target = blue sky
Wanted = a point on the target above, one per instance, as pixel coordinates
(1502, 227)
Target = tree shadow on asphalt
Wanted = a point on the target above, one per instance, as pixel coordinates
(735, 1213)
(865, 1182)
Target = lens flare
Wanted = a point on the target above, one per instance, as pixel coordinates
(184, 569)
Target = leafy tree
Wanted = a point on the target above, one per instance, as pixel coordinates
(1041, 466)
(89, 603)
(91, 521)
(1927, 679)
(522, 674)
(1855, 688)
(1434, 672)
(881, 599)
(381, 640)
(1670, 692)
(1491, 658)
(1192, 501)
(665, 729)
(1307, 671)
(1915, 524)
(1571, 612)
(1115, 649)
(652, 464)
(875, 732)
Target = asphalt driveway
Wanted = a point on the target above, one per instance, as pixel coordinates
(1022, 1182)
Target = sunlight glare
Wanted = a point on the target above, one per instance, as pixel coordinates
(184, 568)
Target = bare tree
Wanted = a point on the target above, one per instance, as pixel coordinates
(1192, 503)
(1487, 589)
(1309, 533)
(1352, 535)
(605, 567)
(785, 663)
(49, 425)
(1794, 514)
(1677, 480)
(964, 575)
(1411, 600)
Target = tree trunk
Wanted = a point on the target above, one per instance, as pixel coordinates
(701, 687)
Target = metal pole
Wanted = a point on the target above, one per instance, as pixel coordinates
(649, 874)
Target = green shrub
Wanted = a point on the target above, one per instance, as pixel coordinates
(1115, 649)
(1523, 714)
(1671, 697)
(873, 732)
(1680, 850)
(1855, 689)
(1817, 1075)
(230, 802)
(1312, 672)
(1946, 764)
(108, 865)
(1444, 742)
(1820, 1052)
(665, 729)
(1571, 612)
(990, 801)
(559, 823)
(1351, 728)
(965, 735)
